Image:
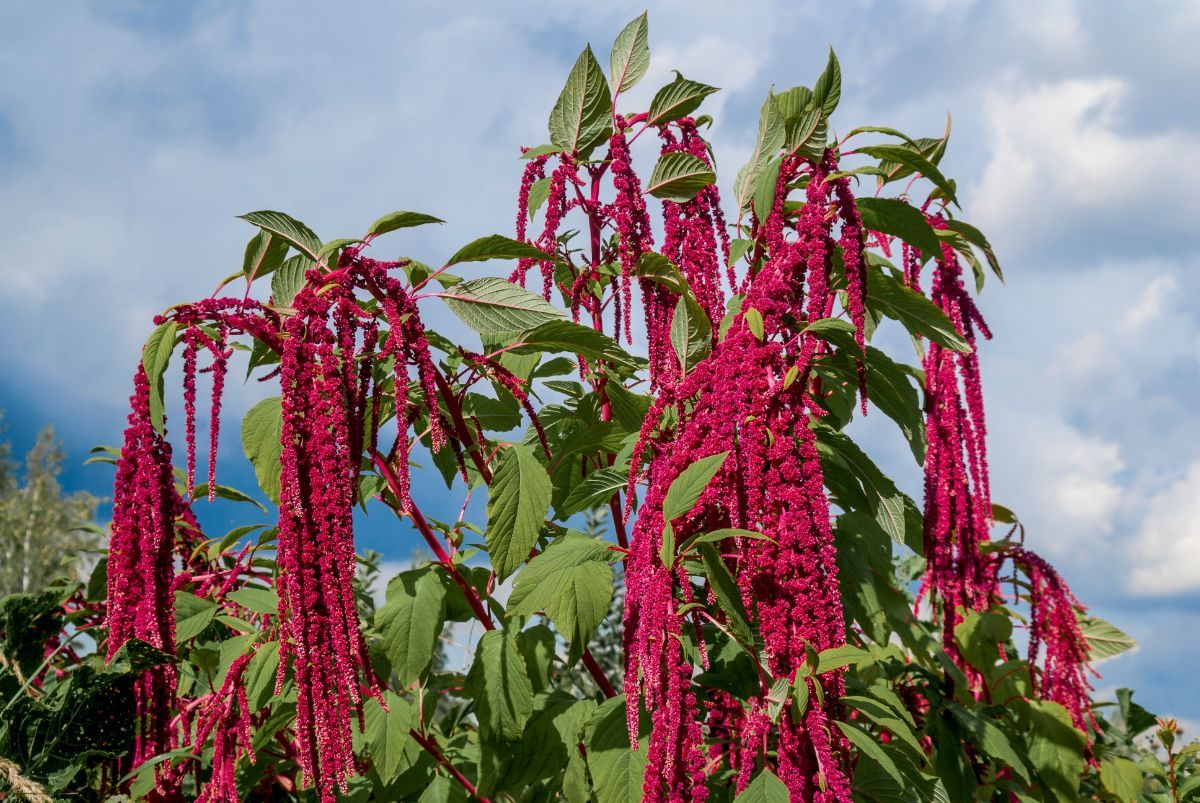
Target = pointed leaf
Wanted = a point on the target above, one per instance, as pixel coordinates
(677, 99)
(582, 116)
(518, 500)
(630, 54)
(288, 229)
(679, 177)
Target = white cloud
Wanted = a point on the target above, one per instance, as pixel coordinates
(1165, 552)
(1060, 149)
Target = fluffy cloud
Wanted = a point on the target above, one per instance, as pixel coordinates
(1062, 152)
(1165, 552)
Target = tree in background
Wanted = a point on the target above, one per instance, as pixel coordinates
(44, 532)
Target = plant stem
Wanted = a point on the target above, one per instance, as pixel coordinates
(431, 747)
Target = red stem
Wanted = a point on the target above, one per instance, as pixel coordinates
(432, 748)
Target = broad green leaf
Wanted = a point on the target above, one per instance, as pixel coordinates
(259, 677)
(686, 488)
(918, 314)
(261, 431)
(827, 91)
(891, 509)
(978, 635)
(288, 279)
(400, 220)
(572, 583)
(899, 219)
(630, 56)
(561, 335)
(493, 306)
(726, 590)
(500, 687)
(192, 615)
(1104, 640)
(738, 249)
(288, 229)
(333, 247)
(867, 744)
(582, 116)
(827, 325)
(976, 238)
(1056, 747)
(256, 598)
(679, 177)
(878, 129)
(913, 159)
(156, 355)
(495, 246)
(594, 491)
(661, 270)
(677, 99)
(754, 322)
(690, 332)
(393, 750)
(765, 187)
(518, 500)
(617, 770)
(991, 740)
(885, 717)
(765, 788)
(839, 658)
(226, 492)
(717, 536)
(411, 620)
(264, 254)
(1122, 778)
(770, 137)
(539, 191)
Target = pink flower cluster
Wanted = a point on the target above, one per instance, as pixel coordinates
(958, 507)
(140, 572)
(739, 400)
(1054, 625)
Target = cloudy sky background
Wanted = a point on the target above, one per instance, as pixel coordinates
(132, 133)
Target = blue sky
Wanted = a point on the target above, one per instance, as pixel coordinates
(132, 133)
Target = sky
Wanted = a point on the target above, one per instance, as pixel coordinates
(132, 133)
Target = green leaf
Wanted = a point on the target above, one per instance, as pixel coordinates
(572, 582)
(679, 177)
(493, 306)
(754, 322)
(288, 229)
(518, 500)
(765, 788)
(256, 598)
(561, 335)
(1056, 748)
(539, 191)
(192, 615)
(495, 246)
(156, 355)
(264, 254)
(411, 621)
(913, 159)
(677, 99)
(400, 220)
(1122, 778)
(867, 744)
(885, 717)
(827, 91)
(661, 270)
(765, 186)
(726, 590)
(686, 488)
(617, 770)
(288, 279)
(1104, 640)
(501, 688)
(690, 332)
(582, 116)
(918, 314)
(630, 56)
(393, 750)
(261, 431)
(899, 219)
(891, 509)
(975, 237)
(738, 249)
(770, 137)
(259, 677)
(594, 491)
(991, 740)
(717, 536)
